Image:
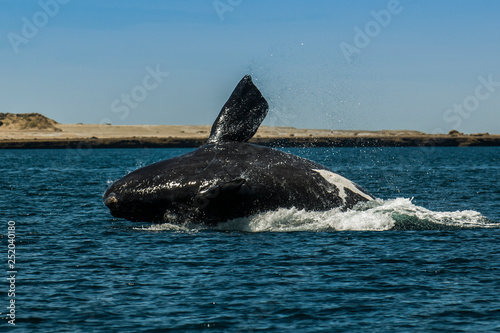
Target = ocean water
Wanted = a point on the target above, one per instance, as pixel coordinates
(424, 257)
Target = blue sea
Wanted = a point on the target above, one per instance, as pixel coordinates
(424, 257)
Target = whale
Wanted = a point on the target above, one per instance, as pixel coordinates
(229, 178)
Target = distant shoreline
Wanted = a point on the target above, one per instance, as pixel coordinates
(82, 136)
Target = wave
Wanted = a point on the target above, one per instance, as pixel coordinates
(376, 215)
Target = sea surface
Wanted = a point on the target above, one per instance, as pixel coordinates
(424, 257)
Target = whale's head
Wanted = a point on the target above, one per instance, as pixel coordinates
(148, 193)
(189, 185)
(128, 199)
(170, 200)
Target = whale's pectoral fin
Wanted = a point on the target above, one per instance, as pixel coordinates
(242, 114)
(217, 192)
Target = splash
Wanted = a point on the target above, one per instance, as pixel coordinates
(184, 228)
(376, 215)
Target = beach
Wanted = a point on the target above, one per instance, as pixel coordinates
(37, 131)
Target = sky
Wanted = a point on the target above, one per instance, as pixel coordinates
(431, 66)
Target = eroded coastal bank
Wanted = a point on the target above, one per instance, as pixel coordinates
(35, 131)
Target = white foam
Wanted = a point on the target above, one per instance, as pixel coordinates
(170, 227)
(289, 220)
(376, 215)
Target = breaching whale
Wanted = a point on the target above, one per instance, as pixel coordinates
(229, 178)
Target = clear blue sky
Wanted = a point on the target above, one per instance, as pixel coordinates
(422, 65)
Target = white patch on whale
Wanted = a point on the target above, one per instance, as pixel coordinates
(341, 183)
